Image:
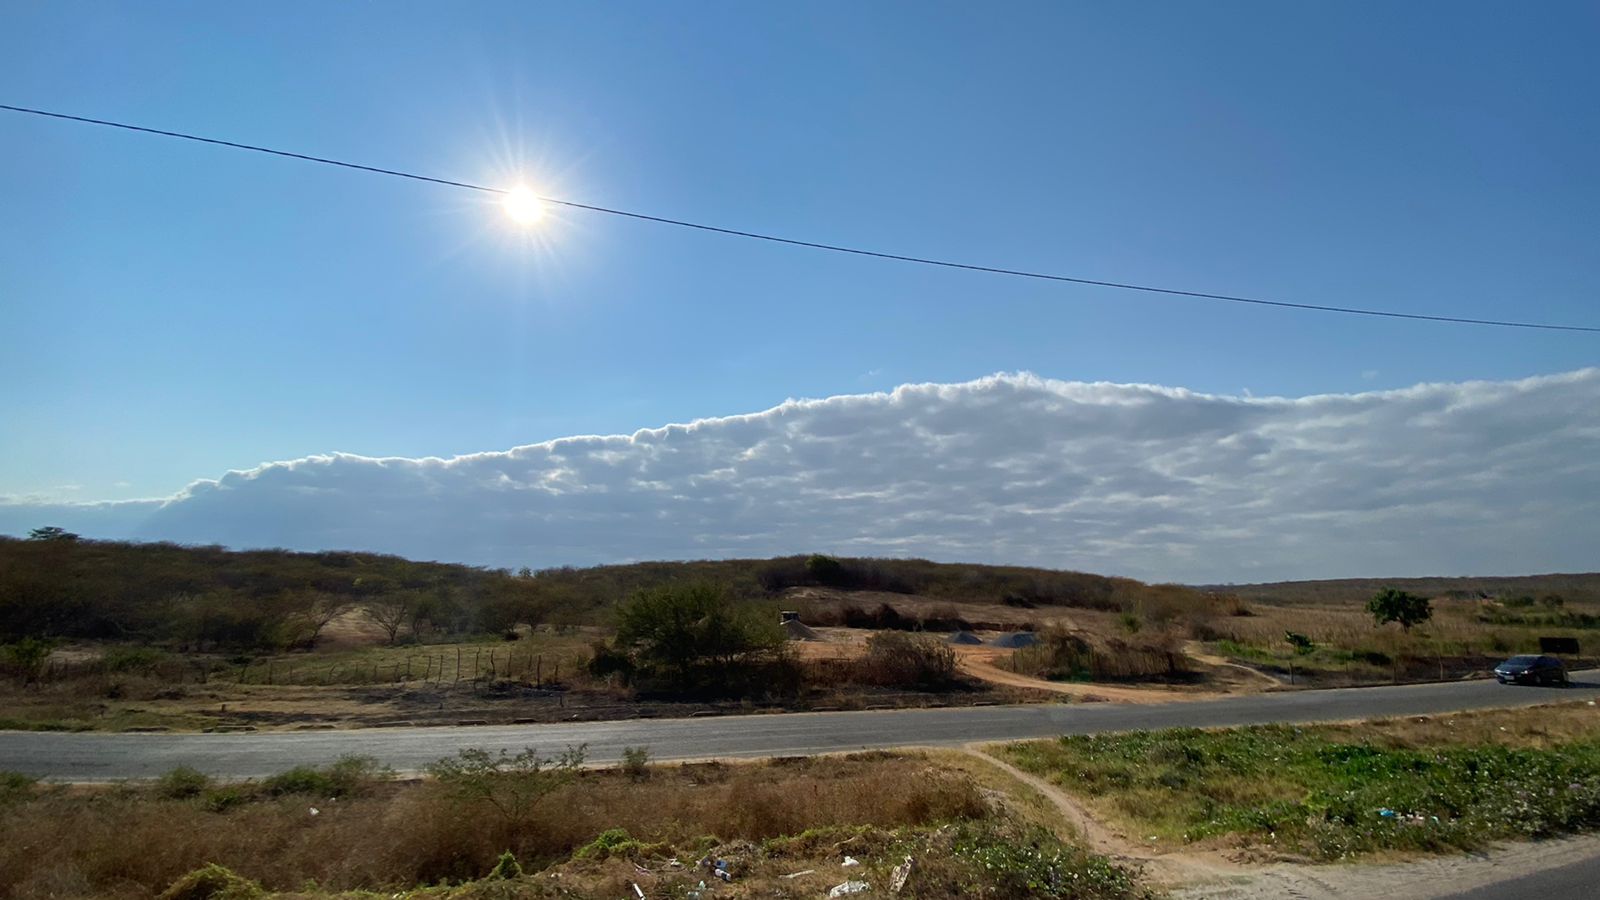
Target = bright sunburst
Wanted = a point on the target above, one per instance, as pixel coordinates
(523, 206)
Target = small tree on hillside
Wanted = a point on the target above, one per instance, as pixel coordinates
(311, 612)
(51, 533)
(27, 657)
(393, 611)
(1391, 605)
(678, 630)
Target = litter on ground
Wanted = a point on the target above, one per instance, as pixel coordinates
(900, 874)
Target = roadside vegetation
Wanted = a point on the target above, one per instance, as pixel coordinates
(1336, 791)
(531, 825)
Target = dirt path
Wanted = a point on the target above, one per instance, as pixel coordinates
(980, 662)
(1173, 868)
(1193, 648)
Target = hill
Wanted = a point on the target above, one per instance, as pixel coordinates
(1576, 587)
(60, 586)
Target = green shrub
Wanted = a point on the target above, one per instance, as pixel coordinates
(506, 867)
(26, 659)
(182, 783)
(636, 762)
(1032, 863)
(300, 780)
(213, 882)
(132, 659)
(349, 776)
(223, 799)
(617, 842)
(15, 786)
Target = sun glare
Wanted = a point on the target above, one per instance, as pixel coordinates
(523, 206)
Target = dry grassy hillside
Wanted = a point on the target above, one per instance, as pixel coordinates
(1573, 588)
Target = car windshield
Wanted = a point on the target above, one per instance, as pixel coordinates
(1522, 660)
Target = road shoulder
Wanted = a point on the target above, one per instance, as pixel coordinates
(1429, 878)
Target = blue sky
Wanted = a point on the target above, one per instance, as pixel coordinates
(170, 311)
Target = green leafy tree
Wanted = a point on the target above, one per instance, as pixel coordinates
(825, 569)
(680, 630)
(51, 533)
(1391, 605)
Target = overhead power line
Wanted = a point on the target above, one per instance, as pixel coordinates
(816, 245)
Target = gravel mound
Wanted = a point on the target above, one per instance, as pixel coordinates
(965, 637)
(800, 631)
(1017, 639)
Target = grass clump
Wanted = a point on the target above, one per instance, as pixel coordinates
(182, 783)
(349, 776)
(616, 842)
(1325, 792)
(15, 786)
(213, 882)
(636, 762)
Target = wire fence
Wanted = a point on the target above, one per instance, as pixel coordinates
(453, 665)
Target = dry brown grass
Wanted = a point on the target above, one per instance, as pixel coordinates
(127, 842)
(1532, 727)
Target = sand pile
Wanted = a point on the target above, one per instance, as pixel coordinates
(800, 631)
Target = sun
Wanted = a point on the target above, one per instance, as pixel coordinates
(523, 206)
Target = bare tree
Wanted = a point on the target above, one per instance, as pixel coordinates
(393, 611)
(322, 608)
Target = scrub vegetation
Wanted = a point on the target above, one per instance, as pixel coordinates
(1335, 791)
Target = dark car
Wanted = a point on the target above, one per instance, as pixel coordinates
(1531, 670)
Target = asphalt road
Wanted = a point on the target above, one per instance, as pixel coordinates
(1578, 881)
(105, 757)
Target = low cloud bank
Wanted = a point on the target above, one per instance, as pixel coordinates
(1153, 482)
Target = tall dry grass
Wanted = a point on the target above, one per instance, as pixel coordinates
(130, 843)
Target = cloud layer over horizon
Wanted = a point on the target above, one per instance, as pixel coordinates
(1153, 482)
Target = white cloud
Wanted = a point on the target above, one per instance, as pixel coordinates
(1149, 481)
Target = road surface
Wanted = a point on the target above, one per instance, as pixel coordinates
(106, 757)
(1576, 881)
